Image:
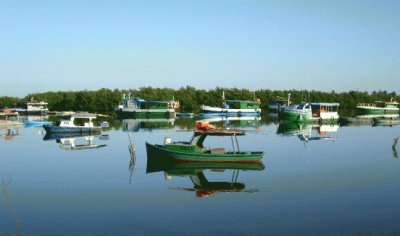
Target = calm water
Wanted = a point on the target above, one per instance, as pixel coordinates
(314, 181)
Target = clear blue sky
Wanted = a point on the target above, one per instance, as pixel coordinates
(77, 45)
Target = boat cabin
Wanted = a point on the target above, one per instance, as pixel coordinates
(318, 108)
(85, 116)
(128, 102)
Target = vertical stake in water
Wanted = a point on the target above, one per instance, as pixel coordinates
(233, 144)
(237, 144)
(132, 153)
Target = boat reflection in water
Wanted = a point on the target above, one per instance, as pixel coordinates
(307, 132)
(37, 121)
(386, 120)
(9, 124)
(9, 129)
(69, 141)
(234, 122)
(372, 120)
(196, 172)
(135, 125)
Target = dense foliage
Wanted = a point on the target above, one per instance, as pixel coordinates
(105, 100)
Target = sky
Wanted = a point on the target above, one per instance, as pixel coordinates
(304, 45)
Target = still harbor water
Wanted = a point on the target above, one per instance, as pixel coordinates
(313, 180)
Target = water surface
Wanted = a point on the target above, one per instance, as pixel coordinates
(314, 180)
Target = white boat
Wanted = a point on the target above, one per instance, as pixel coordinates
(68, 126)
(232, 108)
(33, 108)
(310, 112)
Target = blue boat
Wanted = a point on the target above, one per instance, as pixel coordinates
(68, 126)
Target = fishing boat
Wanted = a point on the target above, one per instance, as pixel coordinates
(133, 107)
(193, 151)
(310, 112)
(232, 108)
(69, 126)
(378, 108)
(33, 108)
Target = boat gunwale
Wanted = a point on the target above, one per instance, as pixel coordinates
(212, 156)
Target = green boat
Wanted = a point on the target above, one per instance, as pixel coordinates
(318, 112)
(194, 151)
(132, 107)
(378, 108)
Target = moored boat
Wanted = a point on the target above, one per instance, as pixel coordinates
(132, 107)
(378, 108)
(310, 112)
(69, 126)
(33, 108)
(194, 151)
(232, 108)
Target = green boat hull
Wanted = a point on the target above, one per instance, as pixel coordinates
(193, 154)
(292, 117)
(376, 111)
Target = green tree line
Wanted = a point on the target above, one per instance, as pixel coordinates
(106, 100)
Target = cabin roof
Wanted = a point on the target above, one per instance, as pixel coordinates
(328, 104)
(247, 101)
